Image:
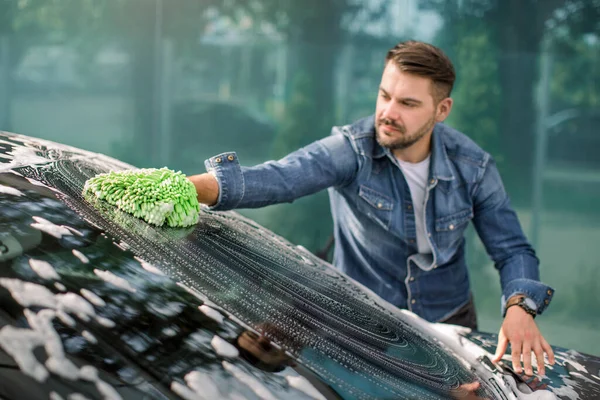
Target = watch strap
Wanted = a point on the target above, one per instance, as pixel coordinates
(520, 301)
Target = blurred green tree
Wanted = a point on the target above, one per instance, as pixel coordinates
(515, 31)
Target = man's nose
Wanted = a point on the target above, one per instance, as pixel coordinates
(391, 111)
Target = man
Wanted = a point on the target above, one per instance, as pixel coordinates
(403, 187)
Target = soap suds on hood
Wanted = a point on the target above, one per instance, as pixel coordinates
(121, 246)
(65, 318)
(302, 384)
(89, 337)
(211, 313)
(169, 309)
(585, 378)
(224, 348)
(73, 230)
(76, 396)
(90, 374)
(149, 267)
(75, 304)
(80, 256)
(170, 332)
(35, 182)
(10, 190)
(203, 384)
(29, 294)
(55, 396)
(568, 357)
(92, 298)
(43, 269)
(105, 322)
(119, 282)
(57, 362)
(60, 286)
(20, 343)
(23, 156)
(48, 227)
(185, 392)
(257, 387)
(565, 391)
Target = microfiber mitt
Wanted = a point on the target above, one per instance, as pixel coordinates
(154, 195)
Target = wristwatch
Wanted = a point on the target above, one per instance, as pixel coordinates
(524, 302)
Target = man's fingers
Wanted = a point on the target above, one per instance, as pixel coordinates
(548, 349)
(527, 357)
(470, 387)
(466, 391)
(539, 354)
(516, 356)
(501, 348)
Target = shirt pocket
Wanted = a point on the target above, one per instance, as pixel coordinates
(375, 205)
(449, 230)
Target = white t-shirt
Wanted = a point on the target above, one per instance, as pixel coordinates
(416, 176)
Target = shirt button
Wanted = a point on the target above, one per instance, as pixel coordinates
(413, 301)
(409, 207)
(218, 160)
(412, 279)
(230, 157)
(451, 227)
(435, 266)
(379, 205)
(547, 302)
(432, 181)
(429, 234)
(549, 292)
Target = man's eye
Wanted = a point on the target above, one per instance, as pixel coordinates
(410, 105)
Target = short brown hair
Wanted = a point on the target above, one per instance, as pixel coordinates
(425, 60)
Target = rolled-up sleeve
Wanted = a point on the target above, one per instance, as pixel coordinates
(226, 168)
(500, 231)
(328, 162)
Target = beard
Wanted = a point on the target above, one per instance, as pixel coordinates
(402, 139)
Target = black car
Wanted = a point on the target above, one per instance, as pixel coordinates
(95, 303)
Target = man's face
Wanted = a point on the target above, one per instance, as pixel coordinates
(405, 111)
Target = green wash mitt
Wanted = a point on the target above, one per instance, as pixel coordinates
(155, 195)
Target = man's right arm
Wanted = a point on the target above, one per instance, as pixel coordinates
(328, 162)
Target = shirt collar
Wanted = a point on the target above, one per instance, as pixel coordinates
(440, 166)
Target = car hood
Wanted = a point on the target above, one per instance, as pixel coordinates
(574, 375)
(98, 302)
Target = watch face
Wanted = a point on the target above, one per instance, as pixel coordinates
(530, 303)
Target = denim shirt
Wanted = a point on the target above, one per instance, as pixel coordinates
(374, 222)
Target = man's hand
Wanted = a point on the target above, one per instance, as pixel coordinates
(520, 330)
(207, 188)
(467, 391)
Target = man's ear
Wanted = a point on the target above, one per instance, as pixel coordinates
(443, 109)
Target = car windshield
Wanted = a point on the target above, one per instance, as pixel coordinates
(169, 304)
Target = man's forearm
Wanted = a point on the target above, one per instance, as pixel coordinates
(207, 188)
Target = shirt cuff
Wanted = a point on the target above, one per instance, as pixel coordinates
(538, 292)
(225, 167)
